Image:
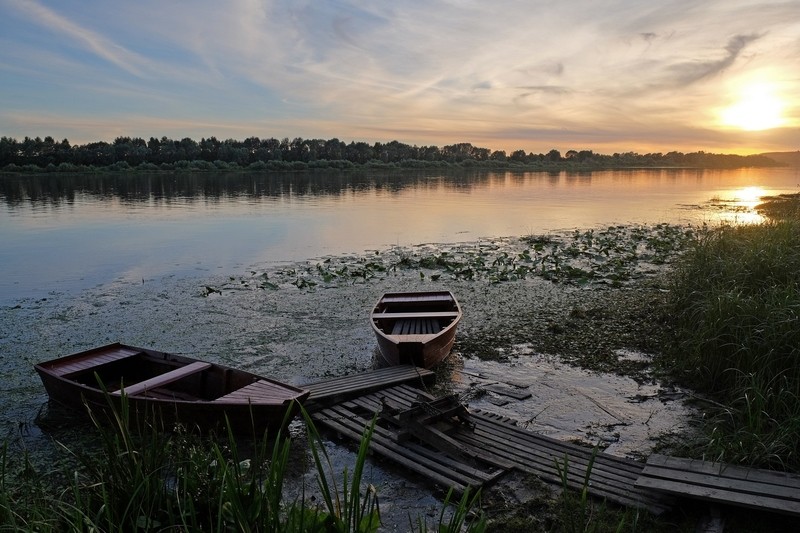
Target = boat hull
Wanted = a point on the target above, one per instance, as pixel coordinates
(416, 328)
(212, 399)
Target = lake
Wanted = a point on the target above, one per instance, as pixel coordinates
(64, 233)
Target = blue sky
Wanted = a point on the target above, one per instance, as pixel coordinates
(721, 76)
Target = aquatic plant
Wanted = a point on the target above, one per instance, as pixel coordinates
(613, 256)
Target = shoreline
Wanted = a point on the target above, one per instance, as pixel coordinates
(305, 323)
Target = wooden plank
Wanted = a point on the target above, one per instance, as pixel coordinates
(603, 482)
(385, 376)
(547, 460)
(725, 470)
(494, 446)
(611, 477)
(427, 459)
(475, 474)
(166, 378)
(339, 389)
(721, 483)
(91, 360)
(508, 391)
(419, 298)
(523, 438)
(353, 426)
(414, 314)
(260, 391)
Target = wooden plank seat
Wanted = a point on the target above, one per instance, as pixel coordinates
(420, 298)
(164, 379)
(416, 314)
(416, 326)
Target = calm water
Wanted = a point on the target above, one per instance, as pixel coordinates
(65, 233)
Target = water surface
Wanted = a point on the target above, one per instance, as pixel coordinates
(63, 233)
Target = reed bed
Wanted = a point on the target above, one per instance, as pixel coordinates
(735, 303)
(142, 477)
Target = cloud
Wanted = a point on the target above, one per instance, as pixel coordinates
(82, 37)
(691, 72)
(425, 69)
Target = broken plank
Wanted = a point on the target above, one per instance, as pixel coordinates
(522, 394)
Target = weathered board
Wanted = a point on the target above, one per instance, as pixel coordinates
(329, 391)
(166, 378)
(552, 460)
(351, 418)
(723, 483)
(454, 454)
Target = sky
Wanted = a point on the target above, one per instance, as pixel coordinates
(609, 76)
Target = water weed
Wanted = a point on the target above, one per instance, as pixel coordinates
(613, 256)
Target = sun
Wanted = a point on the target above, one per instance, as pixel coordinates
(758, 108)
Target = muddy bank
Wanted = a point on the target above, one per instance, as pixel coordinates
(581, 349)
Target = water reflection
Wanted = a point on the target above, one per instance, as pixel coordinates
(60, 189)
(69, 231)
(63, 188)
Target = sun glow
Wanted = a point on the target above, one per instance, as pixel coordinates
(758, 108)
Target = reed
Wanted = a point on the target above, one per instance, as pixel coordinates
(143, 478)
(578, 513)
(735, 303)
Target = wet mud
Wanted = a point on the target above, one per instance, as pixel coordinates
(581, 352)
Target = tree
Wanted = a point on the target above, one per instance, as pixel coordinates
(519, 156)
(209, 149)
(498, 155)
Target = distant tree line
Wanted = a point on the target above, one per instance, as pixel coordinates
(129, 153)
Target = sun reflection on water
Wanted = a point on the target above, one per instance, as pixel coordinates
(738, 206)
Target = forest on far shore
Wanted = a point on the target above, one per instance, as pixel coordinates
(134, 153)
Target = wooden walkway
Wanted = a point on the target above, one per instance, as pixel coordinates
(721, 483)
(453, 447)
(474, 450)
(330, 391)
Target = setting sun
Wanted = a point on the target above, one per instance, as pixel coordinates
(758, 108)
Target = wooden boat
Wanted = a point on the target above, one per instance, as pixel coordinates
(416, 328)
(179, 389)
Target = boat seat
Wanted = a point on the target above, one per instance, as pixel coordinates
(164, 379)
(416, 326)
(416, 314)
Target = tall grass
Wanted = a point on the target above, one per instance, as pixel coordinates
(735, 303)
(578, 513)
(142, 478)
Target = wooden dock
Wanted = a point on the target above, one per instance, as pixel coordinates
(722, 483)
(473, 449)
(451, 446)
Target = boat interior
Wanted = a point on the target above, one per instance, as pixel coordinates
(143, 374)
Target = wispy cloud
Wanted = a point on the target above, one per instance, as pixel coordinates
(513, 72)
(687, 73)
(92, 41)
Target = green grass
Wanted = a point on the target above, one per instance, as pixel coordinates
(735, 303)
(142, 478)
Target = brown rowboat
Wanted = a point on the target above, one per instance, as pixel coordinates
(416, 328)
(179, 389)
